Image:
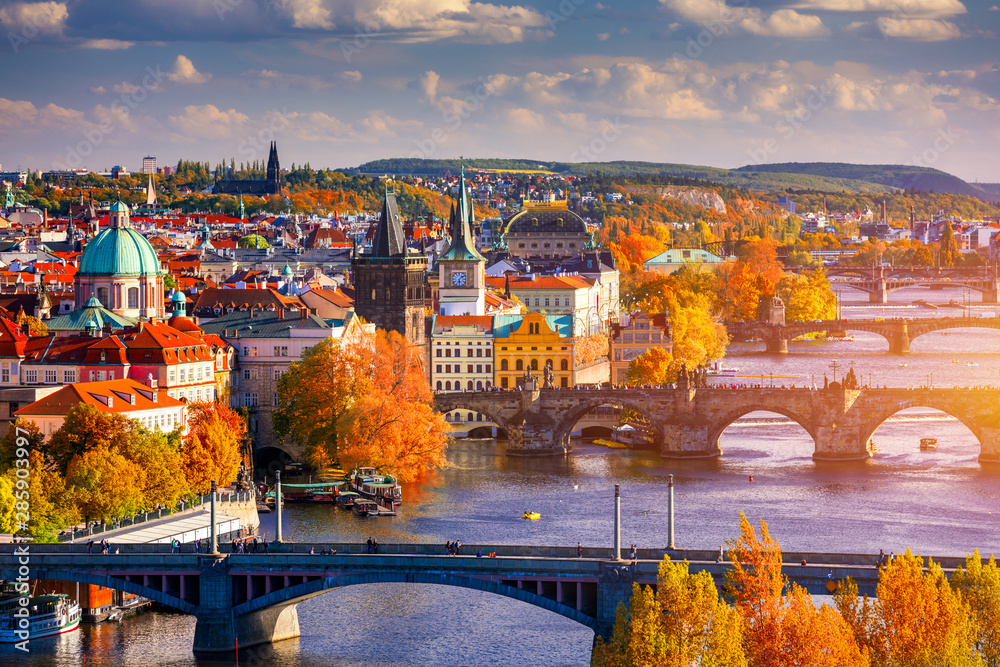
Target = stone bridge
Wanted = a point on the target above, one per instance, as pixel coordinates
(252, 598)
(899, 332)
(879, 281)
(688, 422)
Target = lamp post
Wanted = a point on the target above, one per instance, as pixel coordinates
(834, 364)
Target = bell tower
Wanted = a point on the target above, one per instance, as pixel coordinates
(461, 269)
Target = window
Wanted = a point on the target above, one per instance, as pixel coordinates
(479, 387)
(439, 385)
(479, 352)
(111, 375)
(479, 368)
(253, 399)
(519, 365)
(199, 372)
(447, 386)
(133, 297)
(5, 377)
(437, 369)
(281, 350)
(503, 382)
(91, 376)
(171, 375)
(447, 368)
(100, 376)
(469, 387)
(546, 301)
(536, 301)
(31, 377)
(246, 400)
(468, 353)
(447, 353)
(183, 374)
(534, 364)
(564, 382)
(503, 365)
(489, 352)
(469, 369)
(51, 376)
(489, 368)
(102, 296)
(275, 399)
(438, 352)
(563, 365)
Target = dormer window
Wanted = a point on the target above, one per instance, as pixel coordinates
(104, 357)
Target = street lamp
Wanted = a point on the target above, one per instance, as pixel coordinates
(834, 364)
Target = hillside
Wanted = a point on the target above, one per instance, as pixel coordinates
(815, 176)
(903, 177)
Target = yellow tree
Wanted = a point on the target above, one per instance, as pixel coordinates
(213, 447)
(8, 502)
(807, 297)
(651, 367)
(979, 586)
(107, 484)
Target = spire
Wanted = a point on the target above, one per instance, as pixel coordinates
(243, 212)
(389, 239)
(460, 226)
(150, 192)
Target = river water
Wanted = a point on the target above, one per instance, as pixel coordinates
(941, 502)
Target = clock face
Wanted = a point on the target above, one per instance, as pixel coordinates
(458, 278)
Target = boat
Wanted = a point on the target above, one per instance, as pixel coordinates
(365, 507)
(716, 369)
(971, 363)
(954, 361)
(534, 516)
(346, 499)
(903, 364)
(48, 615)
(928, 444)
(318, 492)
(372, 484)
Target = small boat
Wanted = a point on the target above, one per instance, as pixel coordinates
(971, 363)
(365, 507)
(928, 444)
(534, 516)
(374, 485)
(716, 369)
(347, 499)
(115, 615)
(903, 365)
(263, 508)
(954, 361)
(48, 615)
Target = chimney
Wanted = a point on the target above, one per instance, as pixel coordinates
(303, 313)
(884, 219)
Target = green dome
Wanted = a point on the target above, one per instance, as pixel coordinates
(119, 251)
(119, 207)
(178, 297)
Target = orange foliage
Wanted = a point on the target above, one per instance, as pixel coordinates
(213, 447)
(590, 348)
(631, 251)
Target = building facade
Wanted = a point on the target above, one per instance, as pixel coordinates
(528, 343)
(547, 230)
(642, 332)
(461, 269)
(462, 353)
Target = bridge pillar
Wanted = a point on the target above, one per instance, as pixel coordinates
(992, 295)
(990, 439)
(777, 343)
(836, 442)
(880, 294)
(899, 343)
(688, 441)
(217, 630)
(614, 588)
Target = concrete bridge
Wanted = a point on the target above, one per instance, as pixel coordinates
(252, 598)
(688, 422)
(899, 332)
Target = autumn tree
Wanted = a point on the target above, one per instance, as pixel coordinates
(807, 297)
(631, 251)
(363, 402)
(979, 586)
(683, 624)
(106, 484)
(8, 502)
(21, 428)
(159, 456)
(949, 254)
(87, 427)
(916, 620)
(783, 629)
(654, 366)
(52, 506)
(213, 448)
(589, 348)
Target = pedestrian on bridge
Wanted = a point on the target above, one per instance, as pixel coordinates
(369, 545)
(90, 546)
(375, 545)
(579, 550)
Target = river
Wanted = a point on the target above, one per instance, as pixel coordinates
(940, 502)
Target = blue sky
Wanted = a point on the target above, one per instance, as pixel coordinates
(93, 83)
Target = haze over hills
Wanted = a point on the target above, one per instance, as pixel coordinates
(817, 176)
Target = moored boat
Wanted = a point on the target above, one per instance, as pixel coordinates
(346, 499)
(48, 615)
(365, 507)
(533, 516)
(928, 444)
(372, 484)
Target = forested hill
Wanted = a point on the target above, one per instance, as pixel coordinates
(807, 176)
(903, 177)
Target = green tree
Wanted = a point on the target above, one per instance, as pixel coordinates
(107, 485)
(9, 446)
(253, 241)
(86, 427)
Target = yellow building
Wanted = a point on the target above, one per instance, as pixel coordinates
(530, 342)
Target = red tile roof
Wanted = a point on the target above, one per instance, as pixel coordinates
(110, 396)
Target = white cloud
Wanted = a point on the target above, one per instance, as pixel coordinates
(106, 44)
(919, 30)
(23, 117)
(308, 14)
(379, 125)
(603, 36)
(429, 86)
(350, 76)
(524, 120)
(783, 23)
(207, 122)
(898, 8)
(98, 90)
(28, 19)
(185, 72)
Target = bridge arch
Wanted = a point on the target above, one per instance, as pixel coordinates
(726, 420)
(566, 421)
(115, 583)
(882, 415)
(445, 403)
(304, 591)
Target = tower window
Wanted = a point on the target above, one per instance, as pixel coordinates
(133, 297)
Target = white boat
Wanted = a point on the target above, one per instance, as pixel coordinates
(972, 363)
(48, 615)
(717, 370)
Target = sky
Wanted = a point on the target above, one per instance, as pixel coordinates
(725, 83)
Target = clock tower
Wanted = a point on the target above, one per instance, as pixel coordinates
(462, 270)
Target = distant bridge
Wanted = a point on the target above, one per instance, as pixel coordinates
(689, 422)
(899, 332)
(880, 281)
(252, 598)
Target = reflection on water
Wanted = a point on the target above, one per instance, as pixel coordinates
(939, 502)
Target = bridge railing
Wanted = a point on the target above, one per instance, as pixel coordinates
(97, 528)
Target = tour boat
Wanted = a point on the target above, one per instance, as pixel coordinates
(318, 492)
(534, 516)
(364, 507)
(927, 444)
(719, 371)
(346, 499)
(48, 615)
(971, 363)
(374, 485)
(903, 364)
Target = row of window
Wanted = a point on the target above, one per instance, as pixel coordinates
(184, 374)
(208, 394)
(563, 382)
(545, 245)
(448, 385)
(458, 368)
(458, 352)
(472, 417)
(50, 376)
(533, 365)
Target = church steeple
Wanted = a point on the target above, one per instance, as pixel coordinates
(243, 211)
(463, 246)
(389, 239)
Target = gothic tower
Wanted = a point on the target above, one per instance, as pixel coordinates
(272, 184)
(462, 270)
(389, 280)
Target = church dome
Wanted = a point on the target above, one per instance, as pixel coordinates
(119, 251)
(546, 220)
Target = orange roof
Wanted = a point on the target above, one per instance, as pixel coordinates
(110, 396)
(540, 282)
(482, 322)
